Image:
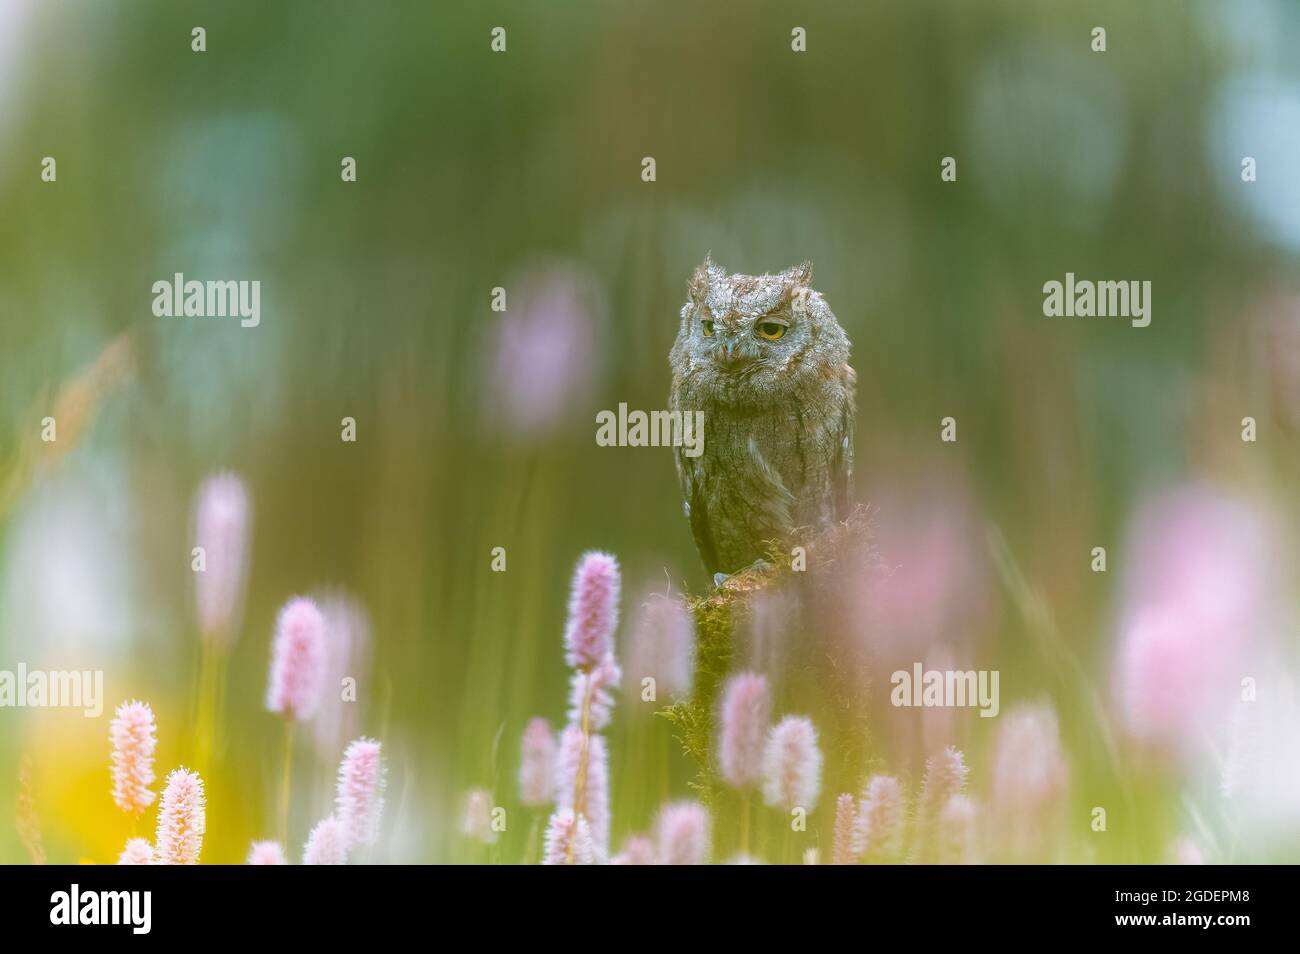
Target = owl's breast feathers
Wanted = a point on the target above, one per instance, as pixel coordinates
(765, 471)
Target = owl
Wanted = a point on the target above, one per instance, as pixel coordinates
(765, 359)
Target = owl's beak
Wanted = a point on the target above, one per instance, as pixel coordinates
(729, 356)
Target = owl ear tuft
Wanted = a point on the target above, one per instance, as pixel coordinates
(801, 274)
(699, 283)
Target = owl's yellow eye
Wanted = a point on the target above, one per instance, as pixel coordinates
(707, 327)
(771, 330)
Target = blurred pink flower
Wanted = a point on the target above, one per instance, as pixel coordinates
(684, 833)
(878, 831)
(1185, 851)
(221, 528)
(477, 823)
(266, 853)
(132, 735)
(326, 845)
(955, 837)
(1030, 781)
(346, 656)
(661, 646)
(746, 715)
(297, 658)
(792, 765)
(929, 582)
(182, 818)
(842, 852)
(637, 850)
(568, 840)
(593, 610)
(1197, 596)
(138, 851)
(537, 765)
(359, 798)
(765, 644)
(546, 354)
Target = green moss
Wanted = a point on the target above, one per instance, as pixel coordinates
(821, 679)
(693, 718)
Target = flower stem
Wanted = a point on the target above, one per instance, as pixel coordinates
(744, 822)
(285, 781)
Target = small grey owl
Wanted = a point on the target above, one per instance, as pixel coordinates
(767, 362)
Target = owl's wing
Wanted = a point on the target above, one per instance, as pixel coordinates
(696, 510)
(842, 460)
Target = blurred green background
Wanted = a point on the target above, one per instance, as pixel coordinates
(476, 429)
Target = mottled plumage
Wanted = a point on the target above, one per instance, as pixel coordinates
(766, 361)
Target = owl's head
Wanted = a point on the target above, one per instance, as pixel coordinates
(744, 337)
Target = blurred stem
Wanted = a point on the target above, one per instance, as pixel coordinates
(211, 680)
(744, 822)
(662, 742)
(222, 667)
(285, 780)
(531, 853)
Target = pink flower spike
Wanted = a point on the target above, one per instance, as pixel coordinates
(537, 765)
(684, 834)
(182, 819)
(595, 807)
(359, 798)
(945, 776)
(132, 735)
(593, 610)
(347, 656)
(878, 833)
(842, 847)
(266, 853)
(568, 841)
(221, 524)
(746, 714)
(138, 851)
(297, 660)
(593, 688)
(792, 765)
(326, 845)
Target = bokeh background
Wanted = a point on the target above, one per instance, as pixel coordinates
(476, 429)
